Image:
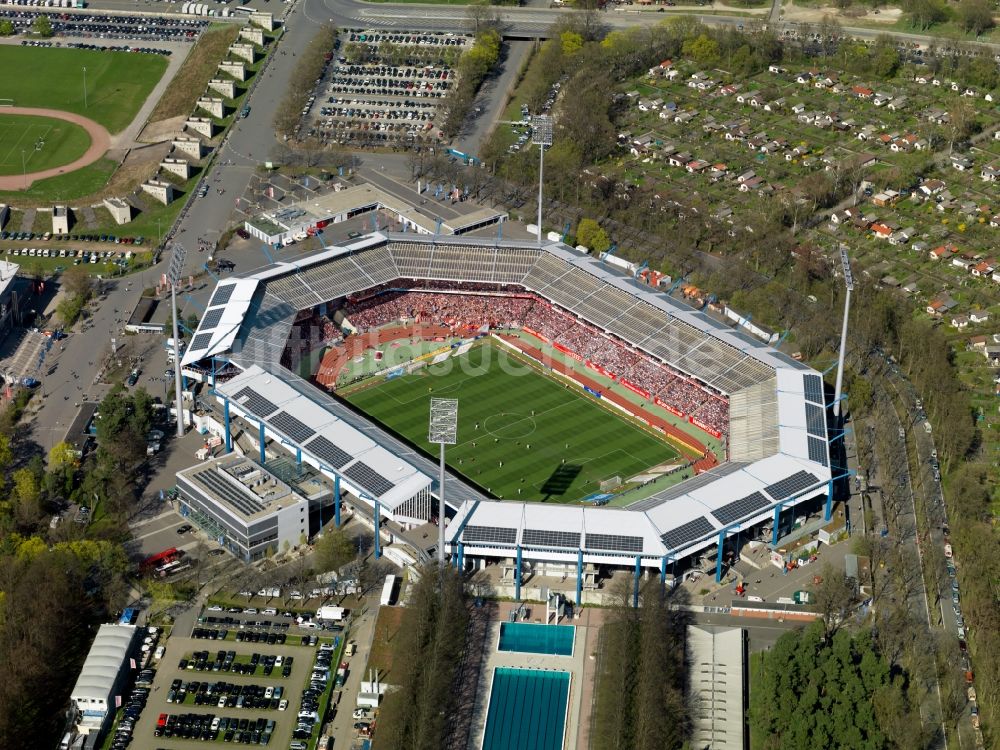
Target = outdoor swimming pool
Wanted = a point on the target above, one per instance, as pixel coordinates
(527, 710)
(533, 638)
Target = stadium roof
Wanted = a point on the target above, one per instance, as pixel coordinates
(333, 443)
(104, 662)
(716, 683)
(777, 413)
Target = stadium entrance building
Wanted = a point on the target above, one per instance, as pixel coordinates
(767, 408)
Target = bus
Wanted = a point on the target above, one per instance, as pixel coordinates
(155, 562)
(245, 9)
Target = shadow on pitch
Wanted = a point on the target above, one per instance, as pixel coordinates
(560, 480)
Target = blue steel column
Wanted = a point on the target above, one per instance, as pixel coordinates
(718, 561)
(263, 456)
(828, 511)
(229, 434)
(774, 530)
(461, 557)
(579, 577)
(336, 499)
(638, 572)
(378, 523)
(298, 456)
(663, 570)
(517, 575)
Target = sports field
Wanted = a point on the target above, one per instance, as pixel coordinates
(521, 435)
(35, 143)
(52, 77)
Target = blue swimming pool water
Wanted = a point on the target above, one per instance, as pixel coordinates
(527, 710)
(532, 638)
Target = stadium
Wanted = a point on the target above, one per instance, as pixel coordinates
(663, 439)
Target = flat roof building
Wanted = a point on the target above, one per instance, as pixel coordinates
(717, 683)
(249, 510)
(103, 676)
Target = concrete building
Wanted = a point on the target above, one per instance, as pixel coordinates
(223, 86)
(202, 125)
(235, 69)
(178, 167)
(244, 506)
(188, 146)
(120, 210)
(8, 294)
(60, 220)
(104, 674)
(4, 214)
(716, 687)
(296, 220)
(264, 20)
(161, 191)
(243, 51)
(252, 35)
(213, 105)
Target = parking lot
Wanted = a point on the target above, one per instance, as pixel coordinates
(384, 89)
(200, 686)
(107, 26)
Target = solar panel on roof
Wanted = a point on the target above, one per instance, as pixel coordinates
(788, 486)
(615, 542)
(201, 341)
(368, 478)
(739, 509)
(489, 534)
(816, 420)
(253, 402)
(688, 532)
(544, 538)
(292, 427)
(326, 451)
(212, 318)
(817, 451)
(222, 295)
(813, 387)
(239, 501)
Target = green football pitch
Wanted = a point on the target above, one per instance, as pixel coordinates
(521, 435)
(32, 143)
(117, 83)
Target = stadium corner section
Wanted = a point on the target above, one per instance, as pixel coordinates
(691, 448)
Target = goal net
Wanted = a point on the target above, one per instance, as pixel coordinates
(611, 483)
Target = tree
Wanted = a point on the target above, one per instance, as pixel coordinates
(590, 234)
(6, 28)
(42, 26)
(702, 49)
(834, 595)
(62, 455)
(570, 43)
(76, 281)
(923, 14)
(482, 17)
(334, 550)
(976, 16)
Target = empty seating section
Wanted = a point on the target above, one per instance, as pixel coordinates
(293, 289)
(639, 322)
(463, 263)
(604, 306)
(379, 264)
(544, 272)
(412, 259)
(513, 264)
(568, 289)
(336, 278)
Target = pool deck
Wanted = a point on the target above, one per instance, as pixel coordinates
(579, 666)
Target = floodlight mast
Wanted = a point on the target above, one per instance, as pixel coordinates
(541, 135)
(174, 272)
(849, 284)
(443, 430)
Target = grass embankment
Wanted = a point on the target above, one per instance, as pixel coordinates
(193, 77)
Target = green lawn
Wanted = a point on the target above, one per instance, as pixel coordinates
(32, 144)
(117, 82)
(518, 430)
(85, 181)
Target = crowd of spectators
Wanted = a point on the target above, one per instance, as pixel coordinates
(473, 312)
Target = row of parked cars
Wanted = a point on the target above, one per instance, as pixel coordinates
(210, 728)
(91, 256)
(438, 38)
(106, 26)
(131, 711)
(228, 695)
(46, 236)
(225, 661)
(310, 708)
